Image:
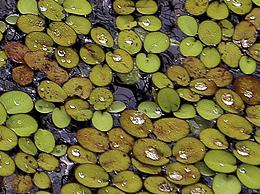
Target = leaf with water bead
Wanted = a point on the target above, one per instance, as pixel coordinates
(78, 109)
(26, 162)
(245, 34)
(41, 180)
(62, 34)
(80, 155)
(136, 123)
(120, 61)
(39, 41)
(234, 126)
(129, 41)
(254, 51)
(188, 95)
(151, 109)
(188, 25)
(149, 63)
(156, 42)
(247, 87)
(186, 111)
(247, 152)
(226, 184)
(109, 189)
(209, 33)
(196, 7)
(229, 100)
(125, 22)
(8, 139)
(27, 146)
(168, 100)
(16, 102)
(213, 139)
(253, 114)
(230, 53)
(30, 23)
(114, 160)
(101, 98)
(3, 58)
(27, 7)
(249, 175)
(60, 118)
(150, 23)
(190, 47)
(80, 24)
(227, 29)
(182, 174)
(198, 187)
(220, 161)
(159, 185)
(59, 150)
(208, 109)
(179, 75)
(51, 10)
(210, 57)
(151, 151)
(66, 57)
(79, 7)
(102, 121)
(217, 10)
(120, 140)
(91, 175)
(132, 183)
(47, 162)
(240, 7)
(74, 187)
(203, 86)
(51, 92)
(7, 165)
(254, 17)
(146, 168)
(92, 54)
(116, 107)
(93, 140)
(247, 65)
(22, 124)
(124, 7)
(188, 150)
(102, 37)
(146, 7)
(160, 80)
(221, 76)
(43, 106)
(44, 140)
(170, 129)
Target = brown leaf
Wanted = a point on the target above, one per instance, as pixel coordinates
(22, 75)
(16, 51)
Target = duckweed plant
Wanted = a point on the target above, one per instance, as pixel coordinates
(195, 130)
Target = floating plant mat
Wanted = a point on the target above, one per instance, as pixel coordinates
(137, 96)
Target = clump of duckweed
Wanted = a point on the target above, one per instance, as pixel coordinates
(191, 125)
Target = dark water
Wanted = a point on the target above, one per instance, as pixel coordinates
(102, 15)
